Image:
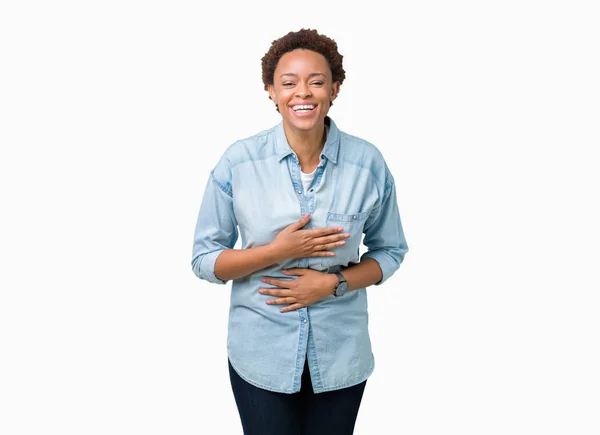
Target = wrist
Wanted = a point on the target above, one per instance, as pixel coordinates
(333, 282)
(272, 253)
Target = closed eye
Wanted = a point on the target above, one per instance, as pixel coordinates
(291, 84)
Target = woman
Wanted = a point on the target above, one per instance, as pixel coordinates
(302, 194)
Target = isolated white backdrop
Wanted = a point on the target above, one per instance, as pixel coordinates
(113, 114)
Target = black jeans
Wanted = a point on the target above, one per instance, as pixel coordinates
(266, 412)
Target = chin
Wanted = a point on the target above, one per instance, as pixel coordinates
(304, 125)
(307, 123)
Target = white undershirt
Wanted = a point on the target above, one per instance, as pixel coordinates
(307, 179)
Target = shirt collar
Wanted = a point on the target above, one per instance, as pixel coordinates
(330, 150)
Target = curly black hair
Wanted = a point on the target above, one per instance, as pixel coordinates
(308, 39)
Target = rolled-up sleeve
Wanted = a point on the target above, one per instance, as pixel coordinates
(384, 236)
(216, 227)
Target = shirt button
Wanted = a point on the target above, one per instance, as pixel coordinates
(299, 191)
(304, 320)
(354, 217)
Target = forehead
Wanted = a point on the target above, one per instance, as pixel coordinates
(301, 61)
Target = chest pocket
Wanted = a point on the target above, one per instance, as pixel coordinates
(353, 224)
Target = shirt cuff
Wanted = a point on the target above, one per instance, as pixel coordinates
(386, 263)
(207, 267)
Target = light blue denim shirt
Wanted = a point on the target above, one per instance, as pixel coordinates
(256, 187)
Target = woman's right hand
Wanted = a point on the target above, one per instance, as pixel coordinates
(293, 242)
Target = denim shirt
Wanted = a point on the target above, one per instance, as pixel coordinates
(256, 187)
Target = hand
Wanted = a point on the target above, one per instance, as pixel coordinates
(301, 292)
(292, 242)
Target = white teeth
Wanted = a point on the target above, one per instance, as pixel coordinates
(303, 107)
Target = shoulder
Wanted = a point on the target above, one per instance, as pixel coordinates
(255, 147)
(358, 151)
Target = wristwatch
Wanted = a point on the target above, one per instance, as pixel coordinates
(342, 285)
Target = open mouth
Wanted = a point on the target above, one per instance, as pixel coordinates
(303, 109)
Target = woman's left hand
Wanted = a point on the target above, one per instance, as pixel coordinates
(311, 286)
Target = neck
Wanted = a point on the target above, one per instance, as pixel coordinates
(306, 144)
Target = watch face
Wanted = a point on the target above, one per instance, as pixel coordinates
(341, 289)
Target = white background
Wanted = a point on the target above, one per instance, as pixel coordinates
(112, 115)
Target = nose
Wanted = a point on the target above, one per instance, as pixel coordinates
(303, 91)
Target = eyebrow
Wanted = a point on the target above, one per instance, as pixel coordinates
(310, 75)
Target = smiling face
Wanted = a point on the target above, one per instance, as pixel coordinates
(302, 87)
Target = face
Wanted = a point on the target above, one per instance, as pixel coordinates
(303, 77)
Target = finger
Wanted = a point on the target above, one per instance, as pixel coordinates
(281, 301)
(300, 222)
(291, 307)
(275, 291)
(334, 238)
(320, 232)
(276, 282)
(322, 254)
(329, 246)
(334, 245)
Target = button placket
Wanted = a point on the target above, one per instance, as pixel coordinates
(295, 170)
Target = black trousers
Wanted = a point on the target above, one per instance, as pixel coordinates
(266, 412)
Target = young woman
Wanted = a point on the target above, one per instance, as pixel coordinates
(302, 194)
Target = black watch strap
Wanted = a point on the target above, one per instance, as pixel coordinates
(340, 277)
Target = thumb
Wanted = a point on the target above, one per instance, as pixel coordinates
(301, 222)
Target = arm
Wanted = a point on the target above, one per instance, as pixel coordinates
(216, 227)
(359, 275)
(386, 245)
(236, 263)
(213, 256)
(384, 238)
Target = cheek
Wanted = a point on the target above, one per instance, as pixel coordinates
(285, 94)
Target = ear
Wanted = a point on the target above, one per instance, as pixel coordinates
(271, 90)
(335, 88)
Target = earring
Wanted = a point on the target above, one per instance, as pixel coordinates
(277, 107)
